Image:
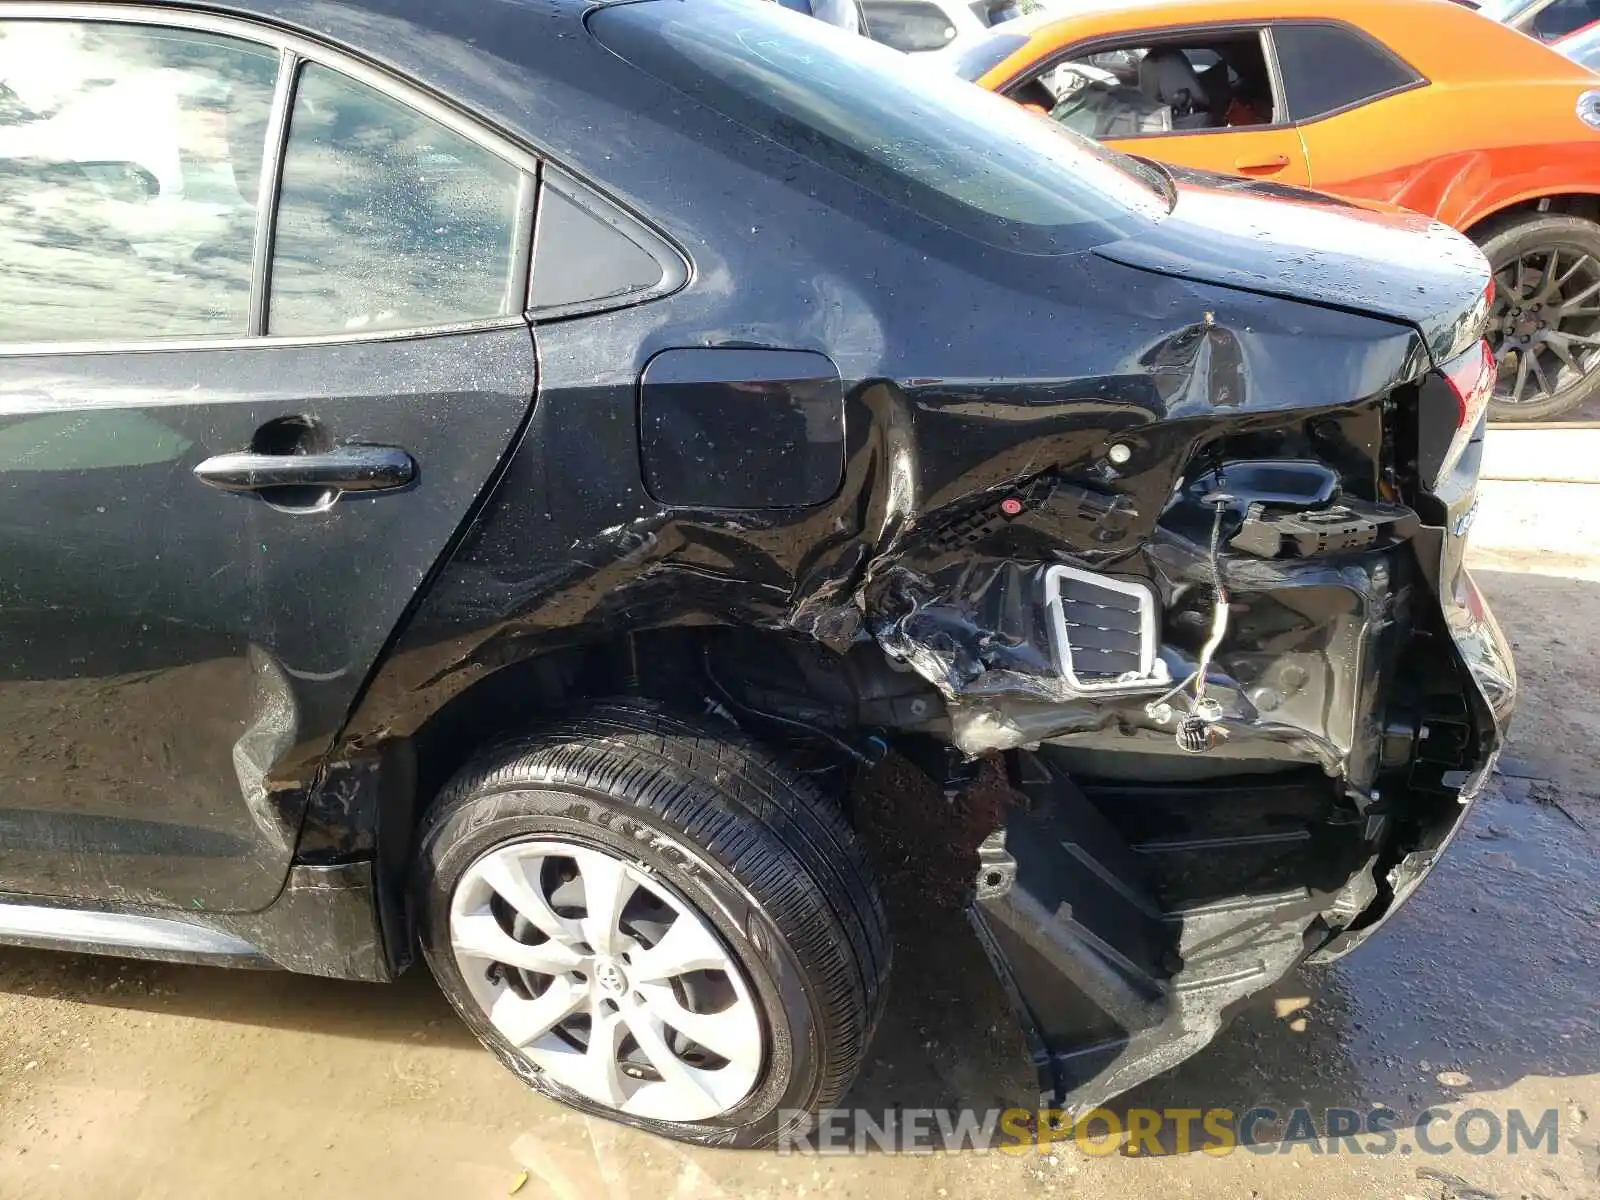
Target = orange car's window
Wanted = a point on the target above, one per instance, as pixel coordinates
(1329, 67)
(1219, 82)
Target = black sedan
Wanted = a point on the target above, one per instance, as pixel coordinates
(501, 478)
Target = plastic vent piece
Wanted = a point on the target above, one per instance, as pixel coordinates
(1103, 630)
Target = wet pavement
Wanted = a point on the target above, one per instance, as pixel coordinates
(141, 1080)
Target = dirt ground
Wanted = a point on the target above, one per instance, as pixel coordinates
(127, 1080)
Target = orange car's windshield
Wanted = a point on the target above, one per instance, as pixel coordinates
(952, 152)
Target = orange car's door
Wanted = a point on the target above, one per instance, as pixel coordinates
(1261, 152)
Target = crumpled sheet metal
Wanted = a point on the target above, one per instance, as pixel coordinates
(868, 564)
(975, 631)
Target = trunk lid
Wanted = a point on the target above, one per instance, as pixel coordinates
(1299, 245)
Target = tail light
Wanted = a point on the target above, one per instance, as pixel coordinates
(1471, 377)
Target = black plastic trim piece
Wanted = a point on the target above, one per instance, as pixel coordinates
(673, 266)
(277, 140)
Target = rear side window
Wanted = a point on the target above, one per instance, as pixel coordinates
(386, 218)
(940, 147)
(909, 25)
(1220, 83)
(1329, 67)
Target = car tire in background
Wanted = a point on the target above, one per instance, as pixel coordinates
(1547, 297)
(673, 887)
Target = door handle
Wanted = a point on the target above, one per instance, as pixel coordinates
(346, 469)
(1269, 165)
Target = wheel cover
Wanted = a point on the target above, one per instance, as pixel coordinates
(1545, 326)
(606, 980)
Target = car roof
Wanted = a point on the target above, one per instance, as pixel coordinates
(1206, 10)
(1440, 38)
(385, 22)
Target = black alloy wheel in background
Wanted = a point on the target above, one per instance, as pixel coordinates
(1544, 326)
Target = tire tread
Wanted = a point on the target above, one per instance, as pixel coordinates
(785, 841)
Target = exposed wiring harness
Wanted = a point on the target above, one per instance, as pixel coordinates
(1197, 731)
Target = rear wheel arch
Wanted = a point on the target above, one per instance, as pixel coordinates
(524, 694)
(1488, 220)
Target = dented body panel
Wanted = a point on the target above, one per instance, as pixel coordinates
(1223, 397)
(175, 656)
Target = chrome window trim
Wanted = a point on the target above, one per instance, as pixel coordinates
(294, 52)
(238, 342)
(1280, 93)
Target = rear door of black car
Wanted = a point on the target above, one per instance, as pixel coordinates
(262, 347)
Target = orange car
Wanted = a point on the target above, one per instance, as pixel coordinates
(1422, 103)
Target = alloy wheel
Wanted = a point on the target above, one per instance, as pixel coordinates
(1545, 325)
(606, 980)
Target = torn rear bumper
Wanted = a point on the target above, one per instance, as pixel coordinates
(1128, 912)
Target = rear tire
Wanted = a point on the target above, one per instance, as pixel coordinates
(707, 846)
(1519, 251)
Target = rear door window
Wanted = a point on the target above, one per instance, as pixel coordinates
(387, 218)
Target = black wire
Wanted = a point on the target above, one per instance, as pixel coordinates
(761, 715)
